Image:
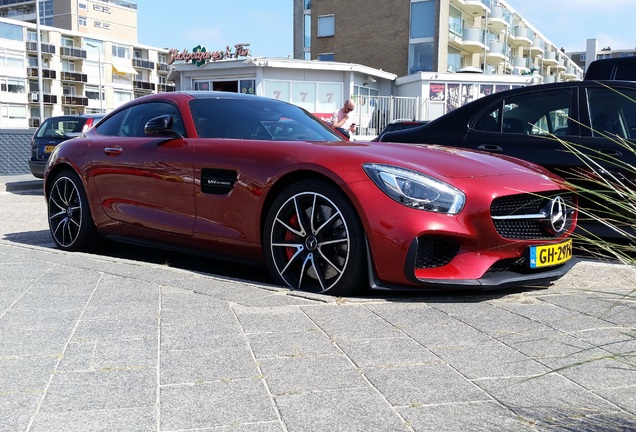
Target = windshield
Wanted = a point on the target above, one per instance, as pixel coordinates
(257, 119)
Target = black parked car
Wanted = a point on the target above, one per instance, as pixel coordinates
(53, 131)
(618, 68)
(399, 124)
(599, 117)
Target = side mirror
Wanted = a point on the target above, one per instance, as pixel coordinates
(161, 126)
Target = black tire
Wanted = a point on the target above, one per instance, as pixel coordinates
(313, 240)
(70, 220)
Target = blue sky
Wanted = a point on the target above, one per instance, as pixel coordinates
(267, 24)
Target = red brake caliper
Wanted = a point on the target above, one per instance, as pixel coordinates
(290, 236)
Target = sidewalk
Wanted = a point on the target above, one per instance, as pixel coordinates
(97, 343)
(22, 182)
(94, 343)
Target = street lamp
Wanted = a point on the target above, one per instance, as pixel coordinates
(99, 58)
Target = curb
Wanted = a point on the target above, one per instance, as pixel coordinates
(21, 185)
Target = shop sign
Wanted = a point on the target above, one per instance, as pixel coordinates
(200, 55)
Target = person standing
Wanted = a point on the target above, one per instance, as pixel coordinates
(342, 119)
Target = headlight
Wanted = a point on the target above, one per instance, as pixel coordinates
(416, 190)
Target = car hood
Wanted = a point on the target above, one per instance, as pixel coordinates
(442, 161)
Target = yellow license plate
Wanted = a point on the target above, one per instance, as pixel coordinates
(550, 255)
(48, 149)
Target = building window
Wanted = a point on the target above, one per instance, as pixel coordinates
(454, 59)
(11, 32)
(420, 57)
(455, 22)
(307, 31)
(12, 85)
(14, 111)
(326, 57)
(422, 19)
(81, 21)
(326, 25)
(68, 65)
(82, 5)
(307, 4)
(121, 51)
(68, 42)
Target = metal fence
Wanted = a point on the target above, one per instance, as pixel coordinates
(373, 113)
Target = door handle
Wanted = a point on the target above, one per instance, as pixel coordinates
(611, 152)
(113, 151)
(490, 148)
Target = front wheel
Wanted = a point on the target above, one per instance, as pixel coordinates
(313, 240)
(70, 220)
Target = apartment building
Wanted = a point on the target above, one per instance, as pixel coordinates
(593, 52)
(105, 18)
(81, 73)
(440, 36)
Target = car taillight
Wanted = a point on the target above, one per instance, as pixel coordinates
(87, 125)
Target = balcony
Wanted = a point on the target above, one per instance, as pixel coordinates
(166, 87)
(74, 100)
(34, 122)
(32, 72)
(163, 67)
(47, 98)
(73, 52)
(570, 73)
(561, 64)
(473, 7)
(143, 64)
(46, 48)
(496, 21)
(73, 76)
(471, 40)
(496, 53)
(520, 36)
(144, 85)
(537, 47)
(549, 59)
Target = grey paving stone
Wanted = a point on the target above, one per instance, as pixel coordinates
(110, 354)
(480, 416)
(16, 409)
(26, 374)
(350, 322)
(488, 360)
(291, 344)
(424, 385)
(211, 364)
(125, 327)
(105, 420)
(195, 336)
(315, 373)
(351, 410)
(28, 342)
(116, 389)
(220, 403)
(386, 352)
(548, 400)
(447, 333)
(624, 397)
(601, 374)
(273, 319)
(410, 313)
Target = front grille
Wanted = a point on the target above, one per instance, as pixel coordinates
(434, 251)
(529, 228)
(509, 264)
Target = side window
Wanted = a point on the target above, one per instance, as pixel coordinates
(131, 121)
(612, 112)
(626, 72)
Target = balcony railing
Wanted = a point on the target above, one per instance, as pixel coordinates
(143, 85)
(73, 76)
(74, 100)
(163, 67)
(34, 122)
(46, 73)
(47, 98)
(141, 63)
(166, 87)
(46, 48)
(72, 52)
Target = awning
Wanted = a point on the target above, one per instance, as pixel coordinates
(124, 68)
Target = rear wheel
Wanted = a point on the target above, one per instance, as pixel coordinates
(313, 240)
(70, 220)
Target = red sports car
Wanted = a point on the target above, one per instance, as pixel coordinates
(248, 178)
